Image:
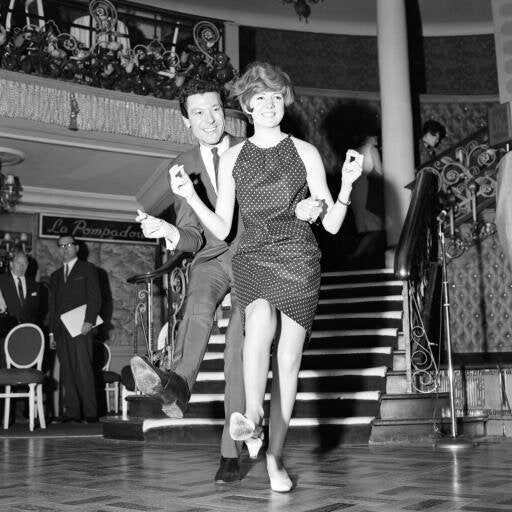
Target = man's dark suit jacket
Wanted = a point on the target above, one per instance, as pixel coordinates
(81, 287)
(31, 310)
(193, 237)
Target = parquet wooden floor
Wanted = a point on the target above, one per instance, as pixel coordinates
(94, 474)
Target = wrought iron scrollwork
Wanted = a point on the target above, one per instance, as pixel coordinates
(424, 365)
(467, 185)
(174, 278)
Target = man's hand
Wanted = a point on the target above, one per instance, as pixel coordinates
(181, 184)
(308, 209)
(352, 167)
(53, 343)
(86, 327)
(153, 227)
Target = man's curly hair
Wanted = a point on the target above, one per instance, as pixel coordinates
(195, 86)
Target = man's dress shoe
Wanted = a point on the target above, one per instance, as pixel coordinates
(229, 471)
(168, 387)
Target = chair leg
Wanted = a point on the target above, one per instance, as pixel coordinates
(40, 410)
(7, 406)
(124, 403)
(107, 393)
(31, 405)
(116, 397)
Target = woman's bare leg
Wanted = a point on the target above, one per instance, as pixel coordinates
(260, 328)
(285, 370)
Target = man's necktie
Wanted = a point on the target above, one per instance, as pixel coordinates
(20, 291)
(66, 271)
(215, 153)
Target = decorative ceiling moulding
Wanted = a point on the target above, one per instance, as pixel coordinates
(43, 200)
(49, 101)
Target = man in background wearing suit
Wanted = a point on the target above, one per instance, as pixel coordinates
(21, 295)
(210, 278)
(72, 285)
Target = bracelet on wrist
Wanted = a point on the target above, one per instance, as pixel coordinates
(343, 203)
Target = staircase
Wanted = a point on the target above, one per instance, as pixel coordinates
(354, 345)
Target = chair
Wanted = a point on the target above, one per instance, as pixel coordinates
(109, 378)
(24, 347)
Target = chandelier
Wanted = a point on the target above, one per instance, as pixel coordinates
(302, 7)
(10, 186)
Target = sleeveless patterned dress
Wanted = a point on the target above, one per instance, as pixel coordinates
(277, 258)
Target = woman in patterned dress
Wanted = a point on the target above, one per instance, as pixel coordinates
(277, 264)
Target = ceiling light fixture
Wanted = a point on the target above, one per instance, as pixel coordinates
(10, 186)
(302, 7)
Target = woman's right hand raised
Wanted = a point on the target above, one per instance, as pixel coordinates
(181, 184)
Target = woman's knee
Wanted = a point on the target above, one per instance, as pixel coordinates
(289, 361)
(260, 311)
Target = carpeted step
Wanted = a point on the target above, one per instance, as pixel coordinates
(324, 433)
(307, 405)
(358, 276)
(368, 289)
(311, 381)
(374, 320)
(322, 359)
(339, 338)
(360, 304)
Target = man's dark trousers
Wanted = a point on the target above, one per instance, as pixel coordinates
(208, 284)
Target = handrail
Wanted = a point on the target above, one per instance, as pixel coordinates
(418, 218)
(461, 180)
(175, 258)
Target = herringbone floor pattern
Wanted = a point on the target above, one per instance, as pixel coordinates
(93, 474)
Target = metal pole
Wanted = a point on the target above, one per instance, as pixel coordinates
(446, 310)
(454, 442)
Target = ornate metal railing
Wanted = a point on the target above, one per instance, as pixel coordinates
(453, 196)
(467, 181)
(416, 264)
(140, 49)
(173, 278)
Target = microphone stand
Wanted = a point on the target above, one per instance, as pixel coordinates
(454, 441)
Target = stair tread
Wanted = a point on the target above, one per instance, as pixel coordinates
(150, 423)
(355, 395)
(379, 371)
(358, 272)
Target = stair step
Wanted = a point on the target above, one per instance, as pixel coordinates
(369, 289)
(424, 430)
(360, 304)
(316, 351)
(346, 383)
(307, 405)
(325, 432)
(320, 361)
(396, 382)
(414, 405)
(381, 274)
(355, 321)
(337, 337)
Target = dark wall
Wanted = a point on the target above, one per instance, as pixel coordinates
(451, 65)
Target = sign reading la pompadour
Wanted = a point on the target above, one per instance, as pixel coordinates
(99, 230)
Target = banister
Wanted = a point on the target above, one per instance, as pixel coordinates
(418, 214)
(175, 258)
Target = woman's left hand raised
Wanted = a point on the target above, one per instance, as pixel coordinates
(352, 167)
(181, 184)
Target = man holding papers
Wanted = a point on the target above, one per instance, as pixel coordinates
(75, 298)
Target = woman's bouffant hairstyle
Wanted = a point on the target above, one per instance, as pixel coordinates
(260, 77)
